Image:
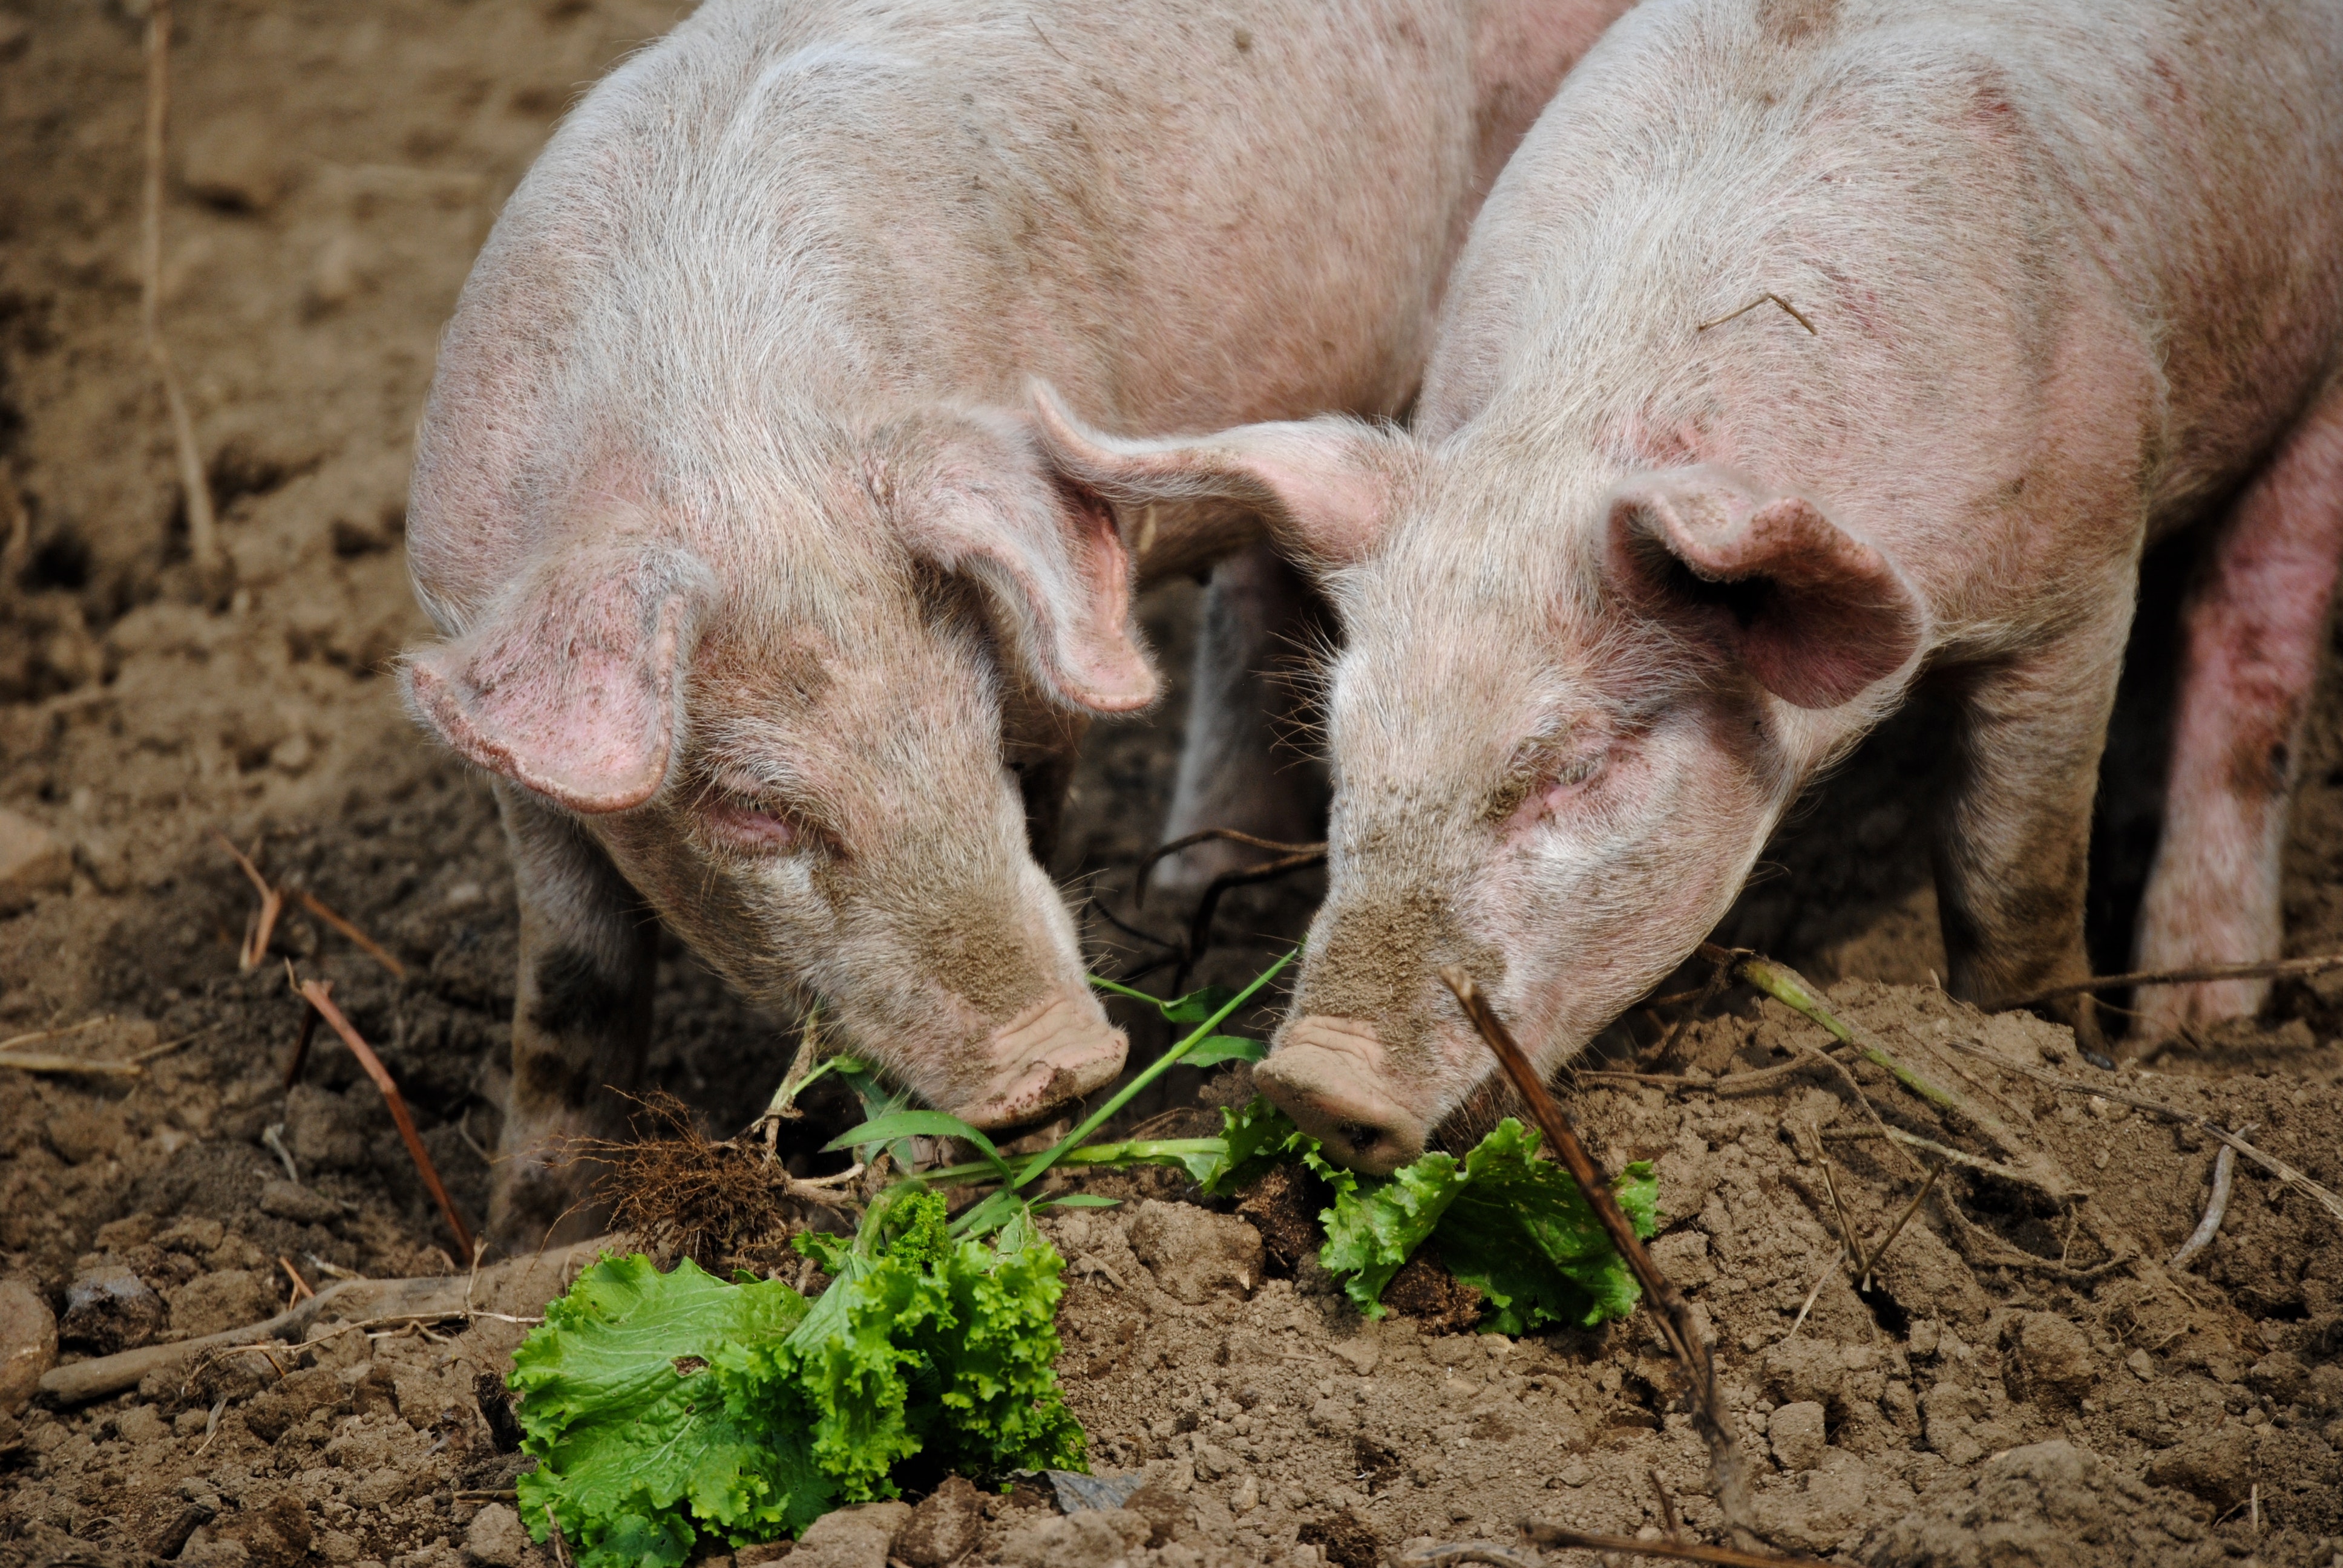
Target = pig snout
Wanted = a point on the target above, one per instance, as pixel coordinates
(1329, 1075)
(1053, 1052)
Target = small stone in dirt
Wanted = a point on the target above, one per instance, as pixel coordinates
(495, 1536)
(33, 861)
(1797, 1434)
(852, 1537)
(230, 1299)
(1193, 1252)
(1360, 1353)
(943, 1526)
(110, 1309)
(1575, 1474)
(2054, 1358)
(2141, 1366)
(303, 1205)
(2280, 1376)
(28, 1342)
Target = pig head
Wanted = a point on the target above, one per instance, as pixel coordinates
(1555, 766)
(816, 763)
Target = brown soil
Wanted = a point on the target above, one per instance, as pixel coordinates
(1998, 1397)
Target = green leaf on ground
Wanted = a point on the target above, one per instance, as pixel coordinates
(662, 1406)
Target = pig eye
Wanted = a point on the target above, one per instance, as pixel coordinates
(755, 827)
(1540, 781)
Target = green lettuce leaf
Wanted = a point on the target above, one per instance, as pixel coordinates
(633, 1439)
(920, 1345)
(660, 1406)
(1514, 1226)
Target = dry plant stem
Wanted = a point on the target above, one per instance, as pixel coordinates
(212, 565)
(1546, 1535)
(2225, 1171)
(2269, 969)
(2205, 1124)
(1718, 973)
(301, 1044)
(45, 1061)
(1728, 1480)
(1669, 1519)
(39, 1035)
(1956, 1157)
(1206, 835)
(1487, 1552)
(1880, 1252)
(1200, 928)
(1786, 986)
(366, 944)
(1847, 1243)
(318, 995)
(1761, 299)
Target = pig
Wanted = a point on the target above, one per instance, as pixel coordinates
(759, 603)
(1806, 351)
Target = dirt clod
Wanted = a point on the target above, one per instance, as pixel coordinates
(108, 1308)
(28, 1342)
(942, 1526)
(1194, 1252)
(2047, 1506)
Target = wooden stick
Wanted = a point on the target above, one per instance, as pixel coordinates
(1206, 835)
(1729, 1483)
(1753, 305)
(49, 1061)
(1546, 1535)
(372, 949)
(2269, 969)
(318, 994)
(213, 568)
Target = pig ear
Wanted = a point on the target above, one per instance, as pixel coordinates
(1816, 614)
(570, 684)
(1321, 489)
(973, 497)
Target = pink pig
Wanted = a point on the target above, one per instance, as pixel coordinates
(1804, 352)
(759, 599)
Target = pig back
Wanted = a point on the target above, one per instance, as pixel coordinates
(1183, 216)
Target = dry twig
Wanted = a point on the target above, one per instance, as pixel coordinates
(1733, 315)
(1728, 1479)
(318, 994)
(271, 905)
(213, 568)
(1546, 1535)
(2267, 968)
(2271, 1162)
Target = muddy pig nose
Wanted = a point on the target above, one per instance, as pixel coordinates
(1054, 1052)
(1329, 1075)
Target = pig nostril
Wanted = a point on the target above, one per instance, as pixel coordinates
(1359, 1136)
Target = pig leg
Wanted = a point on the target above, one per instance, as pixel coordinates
(582, 1021)
(1258, 614)
(2012, 845)
(2252, 629)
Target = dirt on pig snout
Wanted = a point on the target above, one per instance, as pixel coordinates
(330, 178)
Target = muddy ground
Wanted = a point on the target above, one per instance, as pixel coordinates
(2029, 1384)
